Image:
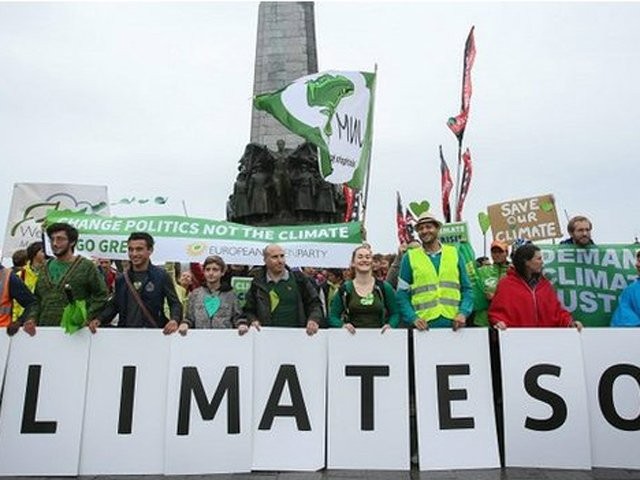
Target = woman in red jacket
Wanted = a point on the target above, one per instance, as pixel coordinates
(525, 298)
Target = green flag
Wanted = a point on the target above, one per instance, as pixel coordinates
(334, 111)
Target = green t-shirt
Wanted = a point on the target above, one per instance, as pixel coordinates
(57, 269)
(284, 303)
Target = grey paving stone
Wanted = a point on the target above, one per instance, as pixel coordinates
(615, 474)
(300, 476)
(569, 474)
(513, 473)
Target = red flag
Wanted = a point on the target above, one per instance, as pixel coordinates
(466, 183)
(469, 58)
(410, 221)
(348, 197)
(446, 184)
(357, 199)
(401, 224)
(458, 123)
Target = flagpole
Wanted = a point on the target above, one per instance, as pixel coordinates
(458, 178)
(365, 200)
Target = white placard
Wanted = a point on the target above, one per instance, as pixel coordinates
(44, 394)
(368, 414)
(31, 201)
(209, 405)
(547, 361)
(290, 368)
(126, 408)
(612, 370)
(454, 400)
(5, 341)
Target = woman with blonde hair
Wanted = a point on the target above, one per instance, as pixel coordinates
(364, 301)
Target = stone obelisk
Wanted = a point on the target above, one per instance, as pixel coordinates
(285, 51)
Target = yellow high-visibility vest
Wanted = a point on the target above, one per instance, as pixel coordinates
(435, 294)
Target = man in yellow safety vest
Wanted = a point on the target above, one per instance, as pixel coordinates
(434, 290)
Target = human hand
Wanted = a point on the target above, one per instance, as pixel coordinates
(350, 328)
(93, 325)
(312, 327)
(577, 325)
(30, 327)
(183, 328)
(242, 329)
(421, 324)
(170, 327)
(13, 328)
(459, 321)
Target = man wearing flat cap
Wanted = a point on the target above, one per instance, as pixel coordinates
(434, 290)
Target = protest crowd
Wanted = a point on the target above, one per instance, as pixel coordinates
(425, 285)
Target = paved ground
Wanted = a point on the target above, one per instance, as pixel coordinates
(495, 474)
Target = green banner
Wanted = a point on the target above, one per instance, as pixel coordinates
(590, 280)
(187, 239)
(241, 286)
(454, 232)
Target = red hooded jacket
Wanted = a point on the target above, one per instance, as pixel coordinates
(518, 305)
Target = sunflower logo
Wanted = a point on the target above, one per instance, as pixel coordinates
(196, 249)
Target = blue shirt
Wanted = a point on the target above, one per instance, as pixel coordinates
(628, 312)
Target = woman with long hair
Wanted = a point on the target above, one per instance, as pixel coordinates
(525, 298)
(364, 302)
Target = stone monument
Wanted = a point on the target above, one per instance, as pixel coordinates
(278, 181)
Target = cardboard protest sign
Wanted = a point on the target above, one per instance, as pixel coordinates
(43, 403)
(533, 218)
(454, 400)
(368, 414)
(544, 398)
(289, 399)
(612, 371)
(208, 428)
(125, 412)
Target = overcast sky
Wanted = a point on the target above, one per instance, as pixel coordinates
(155, 99)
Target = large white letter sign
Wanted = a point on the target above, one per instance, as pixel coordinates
(209, 403)
(545, 407)
(43, 403)
(126, 403)
(368, 425)
(4, 352)
(612, 369)
(454, 400)
(290, 371)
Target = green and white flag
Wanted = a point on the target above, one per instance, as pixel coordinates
(334, 111)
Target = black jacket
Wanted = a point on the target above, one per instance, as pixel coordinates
(258, 304)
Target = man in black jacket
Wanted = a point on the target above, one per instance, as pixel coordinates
(141, 291)
(280, 297)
